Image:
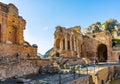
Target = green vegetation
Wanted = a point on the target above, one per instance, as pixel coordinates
(117, 41)
(108, 25)
(111, 25)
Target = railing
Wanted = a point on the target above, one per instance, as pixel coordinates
(71, 73)
(59, 78)
(74, 72)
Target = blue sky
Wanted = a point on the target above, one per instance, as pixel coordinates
(43, 16)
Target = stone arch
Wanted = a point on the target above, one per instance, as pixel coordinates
(57, 43)
(102, 53)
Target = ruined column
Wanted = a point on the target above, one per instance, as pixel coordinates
(3, 37)
(76, 47)
(74, 43)
(61, 44)
(66, 43)
(71, 47)
(78, 51)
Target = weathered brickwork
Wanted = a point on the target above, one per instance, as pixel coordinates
(68, 41)
(72, 43)
(98, 45)
(17, 69)
(15, 52)
(11, 33)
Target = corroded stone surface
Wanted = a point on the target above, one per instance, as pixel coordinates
(13, 47)
(71, 43)
(93, 41)
(15, 67)
(11, 33)
(68, 41)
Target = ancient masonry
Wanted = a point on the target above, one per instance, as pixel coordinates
(18, 57)
(71, 43)
(14, 50)
(11, 33)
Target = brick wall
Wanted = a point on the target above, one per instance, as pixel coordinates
(13, 50)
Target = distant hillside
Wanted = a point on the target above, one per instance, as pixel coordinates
(40, 55)
(47, 54)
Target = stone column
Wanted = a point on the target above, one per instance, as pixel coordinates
(4, 28)
(66, 43)
(61, 44)
(74, 43)
(78, 48)
(71, 47)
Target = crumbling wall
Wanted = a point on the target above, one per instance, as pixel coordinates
(17, 69)
(92, 42)
(17, 50)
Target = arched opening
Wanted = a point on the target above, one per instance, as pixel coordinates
(68, 45)
(63, 44)
(102, 53)
(57, 43)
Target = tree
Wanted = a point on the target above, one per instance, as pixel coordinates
(109, 25)
(98, 23)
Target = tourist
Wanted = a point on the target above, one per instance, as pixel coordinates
(95, 61)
